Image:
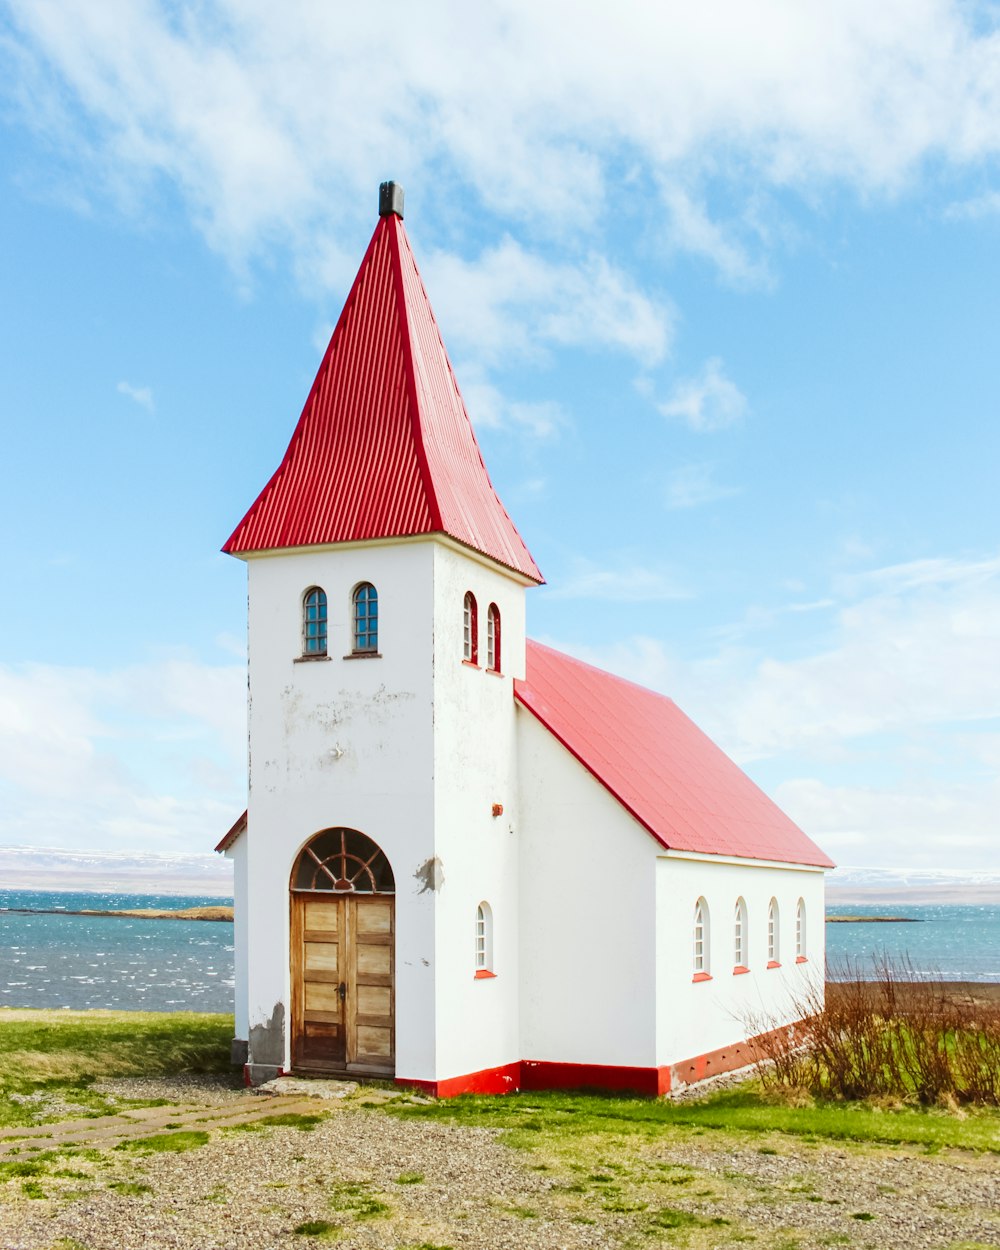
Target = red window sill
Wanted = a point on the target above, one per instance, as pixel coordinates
(484, 974)
(701, 976)
(309, 659)
(740, 970)
(773, 963)
(494, 672)
(801, 959)
(470, 663)
(364, 655)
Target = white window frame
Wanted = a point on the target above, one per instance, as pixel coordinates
(484, 939)
(701, 939)
(740, 935)
(800, 929)
(773, 932)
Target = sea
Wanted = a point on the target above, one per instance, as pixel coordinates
(51, 959)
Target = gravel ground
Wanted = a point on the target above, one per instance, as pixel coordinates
(383, 1184)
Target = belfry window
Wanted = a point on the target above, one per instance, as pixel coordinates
(493, 639)
(314, 622)
(470, 629)
(365, 618)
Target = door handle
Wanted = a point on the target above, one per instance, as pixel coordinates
(342, 991)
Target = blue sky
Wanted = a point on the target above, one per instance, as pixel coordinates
(721, 291)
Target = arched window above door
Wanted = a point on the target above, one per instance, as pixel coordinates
(345, 862)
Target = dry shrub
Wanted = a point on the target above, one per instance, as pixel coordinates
(887, 1038)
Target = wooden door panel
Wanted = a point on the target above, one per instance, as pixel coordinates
(349, 941)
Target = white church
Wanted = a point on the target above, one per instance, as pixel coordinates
(469, 862)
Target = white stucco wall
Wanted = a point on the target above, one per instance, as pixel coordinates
(342, 742)
(694, 1018)
(238, 854)
(475, 766)
(588, 914)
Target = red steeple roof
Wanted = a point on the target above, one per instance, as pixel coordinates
(658, 764)
(384, 447)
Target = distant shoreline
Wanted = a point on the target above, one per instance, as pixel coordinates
(133, 913)
(874, 919)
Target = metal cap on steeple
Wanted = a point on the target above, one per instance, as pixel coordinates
(390, 199)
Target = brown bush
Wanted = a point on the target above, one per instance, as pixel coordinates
(888, 1037)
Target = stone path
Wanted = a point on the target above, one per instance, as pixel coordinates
(106, 1131)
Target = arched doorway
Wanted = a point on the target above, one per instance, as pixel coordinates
(343, 956)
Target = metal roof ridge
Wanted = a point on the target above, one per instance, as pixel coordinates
(398, 238)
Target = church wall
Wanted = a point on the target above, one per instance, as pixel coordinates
(341, 742)
(475, 767)
(238, 854)
(588, 916)
(697, 1017)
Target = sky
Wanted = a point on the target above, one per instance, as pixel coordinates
(720, 285)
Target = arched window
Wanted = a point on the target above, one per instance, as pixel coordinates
(740, 935)
(493, 639)
(314, 622)
(702, 962)
(365, 618)
(484, 941)
(773, 934)
(345, 861)
(470, 629)
(800, 931)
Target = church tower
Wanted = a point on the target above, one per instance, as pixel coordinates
(378, 874)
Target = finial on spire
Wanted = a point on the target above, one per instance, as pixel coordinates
(390, 199)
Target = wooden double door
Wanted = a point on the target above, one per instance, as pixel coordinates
(343, 983)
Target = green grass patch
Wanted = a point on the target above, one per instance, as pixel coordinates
(52, 1058)
(410, 1178)
(290, 1119)
(317, 1228)
(742, 1110)
(166, 1143)
(131, 1189)
(358, 1200)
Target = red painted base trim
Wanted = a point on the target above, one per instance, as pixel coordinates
(504, 1080)
(537, 1074)
(726, 1059)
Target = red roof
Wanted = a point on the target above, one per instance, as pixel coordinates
(384, 446)
(239, 827)
(658, 764)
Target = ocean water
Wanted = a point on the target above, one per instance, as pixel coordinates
(187, 965)
(946, 942)
(113, 961)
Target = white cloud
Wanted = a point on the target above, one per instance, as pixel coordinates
(692, 485)
(986, 205)
(510, 302)
(707, 402)
(142, 395)
(625, 584)
(692, 230)
(276, 124)
(893, 683)
(148, 757)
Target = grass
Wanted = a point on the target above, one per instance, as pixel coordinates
(166, 1143)
(743, 1110)
(52, 1058)
(357, 1200)
(290, 1119)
